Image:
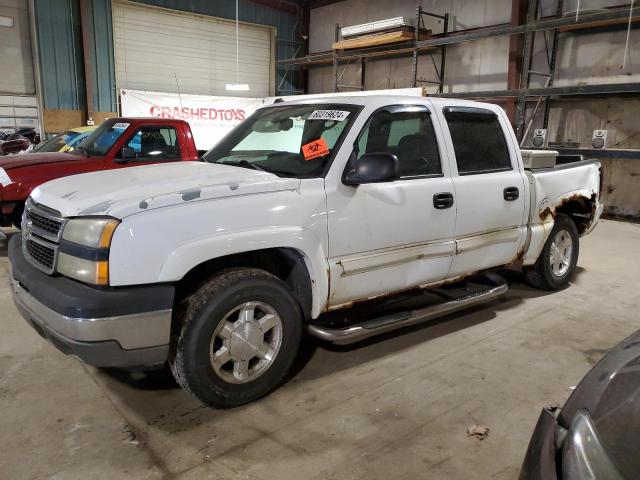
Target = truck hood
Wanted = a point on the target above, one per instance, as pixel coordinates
(126, 191)
(26, 159)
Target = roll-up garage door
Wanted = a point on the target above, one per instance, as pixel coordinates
(162, 50)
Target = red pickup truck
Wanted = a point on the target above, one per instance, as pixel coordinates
(117, 143)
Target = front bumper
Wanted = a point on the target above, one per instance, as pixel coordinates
(123, 327)
(540, 459)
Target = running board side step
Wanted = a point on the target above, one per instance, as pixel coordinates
(359, 331)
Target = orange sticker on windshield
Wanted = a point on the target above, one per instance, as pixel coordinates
(315, 149)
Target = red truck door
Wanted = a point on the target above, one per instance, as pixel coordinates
(148, 143)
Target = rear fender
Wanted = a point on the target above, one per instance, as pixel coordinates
(545, 211)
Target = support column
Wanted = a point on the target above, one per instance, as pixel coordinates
(516, 45)
(87, 30)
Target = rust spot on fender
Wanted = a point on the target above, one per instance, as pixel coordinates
(519, 258)
(551, 211)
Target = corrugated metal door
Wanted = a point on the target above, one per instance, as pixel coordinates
(155, 46)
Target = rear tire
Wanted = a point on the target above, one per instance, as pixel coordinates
(557, 261)
(238, 338)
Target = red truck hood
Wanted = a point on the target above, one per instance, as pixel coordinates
(26, 159)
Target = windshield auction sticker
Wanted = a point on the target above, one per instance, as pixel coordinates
(338, 115)
(121, 125)
(4, 178)
(315, 149)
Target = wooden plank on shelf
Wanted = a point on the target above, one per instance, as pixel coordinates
(374, 40)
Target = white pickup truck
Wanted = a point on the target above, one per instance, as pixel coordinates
(306, 217)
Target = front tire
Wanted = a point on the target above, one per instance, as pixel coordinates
(238, 338)
(557, 261)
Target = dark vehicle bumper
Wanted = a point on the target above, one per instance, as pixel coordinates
(540, 460)
(112, 327)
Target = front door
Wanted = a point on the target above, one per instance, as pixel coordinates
(391, 236)
(152, 144)
(489, 190)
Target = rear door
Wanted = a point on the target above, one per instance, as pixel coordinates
(489, 189)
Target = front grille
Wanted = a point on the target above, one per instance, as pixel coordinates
(43, 221)
(41, 231)
(42, 254)
(44, 224)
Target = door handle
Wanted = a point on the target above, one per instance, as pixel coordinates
(443, 200)
(511, 193)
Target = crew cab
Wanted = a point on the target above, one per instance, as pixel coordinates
(117, 143)
(308, 216)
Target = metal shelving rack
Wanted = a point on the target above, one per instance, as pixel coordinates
(404, 48)
(524, 94)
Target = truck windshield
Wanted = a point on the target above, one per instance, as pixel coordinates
(288, 140)
(103, 138)
(58, 142)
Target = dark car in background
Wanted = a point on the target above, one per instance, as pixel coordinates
(19, 141)
(596, 434)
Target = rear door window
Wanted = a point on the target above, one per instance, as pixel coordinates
(478, 140)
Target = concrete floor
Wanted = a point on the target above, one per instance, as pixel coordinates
(394, 408)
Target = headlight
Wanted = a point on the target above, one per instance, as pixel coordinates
(90, 232)
(84, 249)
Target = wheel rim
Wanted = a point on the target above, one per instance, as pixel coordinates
(561, 253)
(246, 342)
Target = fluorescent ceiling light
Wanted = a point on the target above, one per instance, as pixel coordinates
(237, 87)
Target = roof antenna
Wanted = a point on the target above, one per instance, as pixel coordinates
(179, 94)
(626, 45)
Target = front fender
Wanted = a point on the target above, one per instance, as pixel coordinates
(191, 254)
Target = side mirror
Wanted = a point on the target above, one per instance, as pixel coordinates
(127, 154)
(373, 168)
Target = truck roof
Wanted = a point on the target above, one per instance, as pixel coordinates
(146, 119)
(386, 99)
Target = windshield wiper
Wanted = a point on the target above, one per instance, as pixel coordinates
(245, 164)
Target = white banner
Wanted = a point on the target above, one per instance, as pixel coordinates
(211, 117)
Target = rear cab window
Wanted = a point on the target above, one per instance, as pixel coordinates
(478, 140)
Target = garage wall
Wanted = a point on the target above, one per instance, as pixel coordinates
(583, 58)
(18, 104)
(15, 48)
(62, 61)
(470, 66)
